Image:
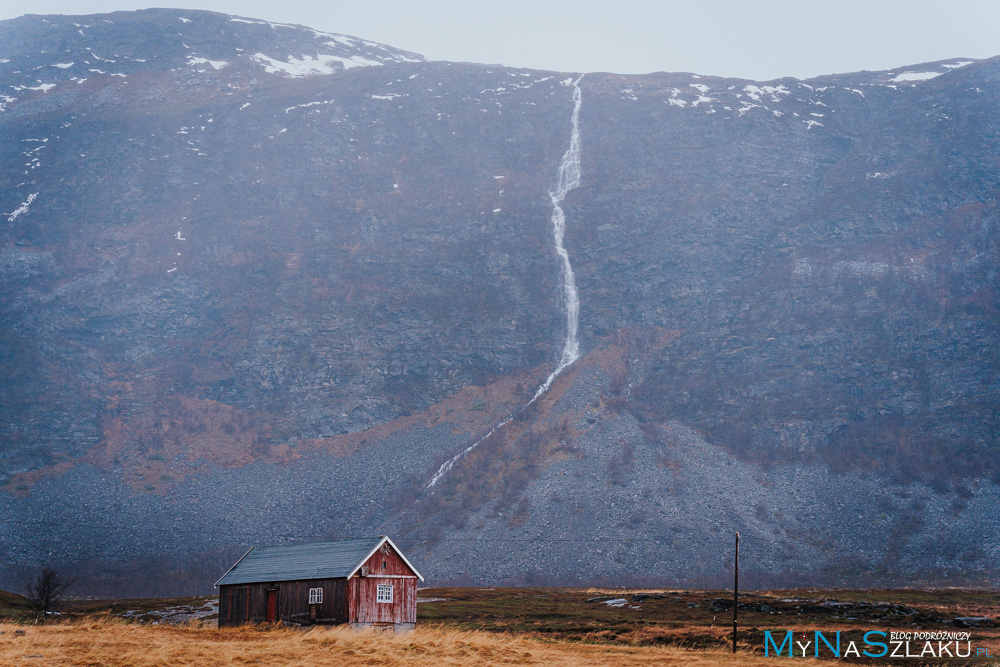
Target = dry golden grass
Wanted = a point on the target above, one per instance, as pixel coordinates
(94, 643)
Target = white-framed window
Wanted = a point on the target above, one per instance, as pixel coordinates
(384, 593)
(315, 596)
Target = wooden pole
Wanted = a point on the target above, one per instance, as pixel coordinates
(736, 589)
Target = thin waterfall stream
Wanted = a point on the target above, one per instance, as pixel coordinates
(568, 179)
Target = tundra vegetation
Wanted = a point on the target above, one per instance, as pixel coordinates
(458, 626)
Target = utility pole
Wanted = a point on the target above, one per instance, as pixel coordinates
(736, 588)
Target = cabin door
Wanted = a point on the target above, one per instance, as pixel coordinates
(271, 613)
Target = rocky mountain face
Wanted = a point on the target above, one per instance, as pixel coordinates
(258, 282)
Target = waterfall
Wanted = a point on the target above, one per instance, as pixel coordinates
(568, 179)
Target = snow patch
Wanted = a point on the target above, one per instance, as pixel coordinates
(915, 76)
(960, 63)
(273, 25)
(23, 208)
(307, 104)
(339, 40)
(756, 92)
(216, 64)
(63, 65)
(308, 65)
(184, 20)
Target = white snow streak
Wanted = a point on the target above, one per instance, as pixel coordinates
(569, 179)
(23, 208)
(216, 64)
(273, 25)
(915, 76)
(308, 65)
(307, 104)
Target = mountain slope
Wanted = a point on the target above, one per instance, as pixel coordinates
(258, 282)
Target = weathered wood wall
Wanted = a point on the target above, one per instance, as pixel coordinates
(389, 569)
(246, 603)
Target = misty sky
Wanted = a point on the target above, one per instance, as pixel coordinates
(754, 39)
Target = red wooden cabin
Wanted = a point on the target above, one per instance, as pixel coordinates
(365, 582)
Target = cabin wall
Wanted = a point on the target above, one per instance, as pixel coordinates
(402, 609)
(386, 568)
(293, 601)
(240, 604)
(246, 603)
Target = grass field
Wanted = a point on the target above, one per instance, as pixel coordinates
(108, 642)
(459, 626)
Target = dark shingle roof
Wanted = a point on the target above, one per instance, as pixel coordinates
(321, 560)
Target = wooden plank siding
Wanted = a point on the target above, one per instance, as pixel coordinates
(387, 568)
(402, 609)
(247, 603)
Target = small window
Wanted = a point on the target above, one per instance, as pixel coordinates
(384, 593)
(315, 596)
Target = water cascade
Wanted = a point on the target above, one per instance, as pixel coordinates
(569, 179)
